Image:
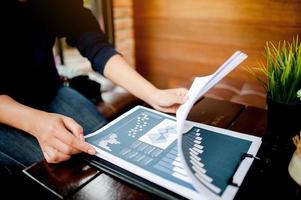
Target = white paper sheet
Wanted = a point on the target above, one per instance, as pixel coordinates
(201, 85)
(198, 88)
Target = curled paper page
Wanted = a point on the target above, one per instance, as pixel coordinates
(199, 87)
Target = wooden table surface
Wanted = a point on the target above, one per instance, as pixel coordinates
(267, 178)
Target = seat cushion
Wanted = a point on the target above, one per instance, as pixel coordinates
(243, 92)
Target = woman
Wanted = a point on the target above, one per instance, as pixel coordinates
(39, 117)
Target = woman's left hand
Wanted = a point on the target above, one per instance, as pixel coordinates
(168, 100)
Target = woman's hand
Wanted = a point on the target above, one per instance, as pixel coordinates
(59, 137)
(163, 100)
(168, 100)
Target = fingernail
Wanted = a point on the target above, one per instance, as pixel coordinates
(91, 151)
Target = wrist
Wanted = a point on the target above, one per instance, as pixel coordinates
(31, 125)
(151, 95)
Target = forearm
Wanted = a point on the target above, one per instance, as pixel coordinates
(123, 75)
(16, 115)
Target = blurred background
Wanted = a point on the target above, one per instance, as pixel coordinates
(171, 41)
(176, 40)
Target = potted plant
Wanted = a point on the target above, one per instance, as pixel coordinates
(281, 77)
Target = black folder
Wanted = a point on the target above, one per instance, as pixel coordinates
(131, 178)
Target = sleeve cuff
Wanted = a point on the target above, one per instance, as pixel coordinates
(94, 46)
(102, 58)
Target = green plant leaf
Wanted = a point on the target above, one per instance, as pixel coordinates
(282, 71)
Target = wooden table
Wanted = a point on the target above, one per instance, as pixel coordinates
(267, 178)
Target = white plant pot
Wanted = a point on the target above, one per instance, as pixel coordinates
(294, 167)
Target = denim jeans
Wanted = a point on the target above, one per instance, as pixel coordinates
(19, 149)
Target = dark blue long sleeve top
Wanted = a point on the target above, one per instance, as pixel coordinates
(27, 68)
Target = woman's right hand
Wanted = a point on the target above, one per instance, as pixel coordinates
(59, 137)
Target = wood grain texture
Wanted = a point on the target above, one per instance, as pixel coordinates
(180, 39)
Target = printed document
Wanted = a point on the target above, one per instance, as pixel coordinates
(191, 159)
